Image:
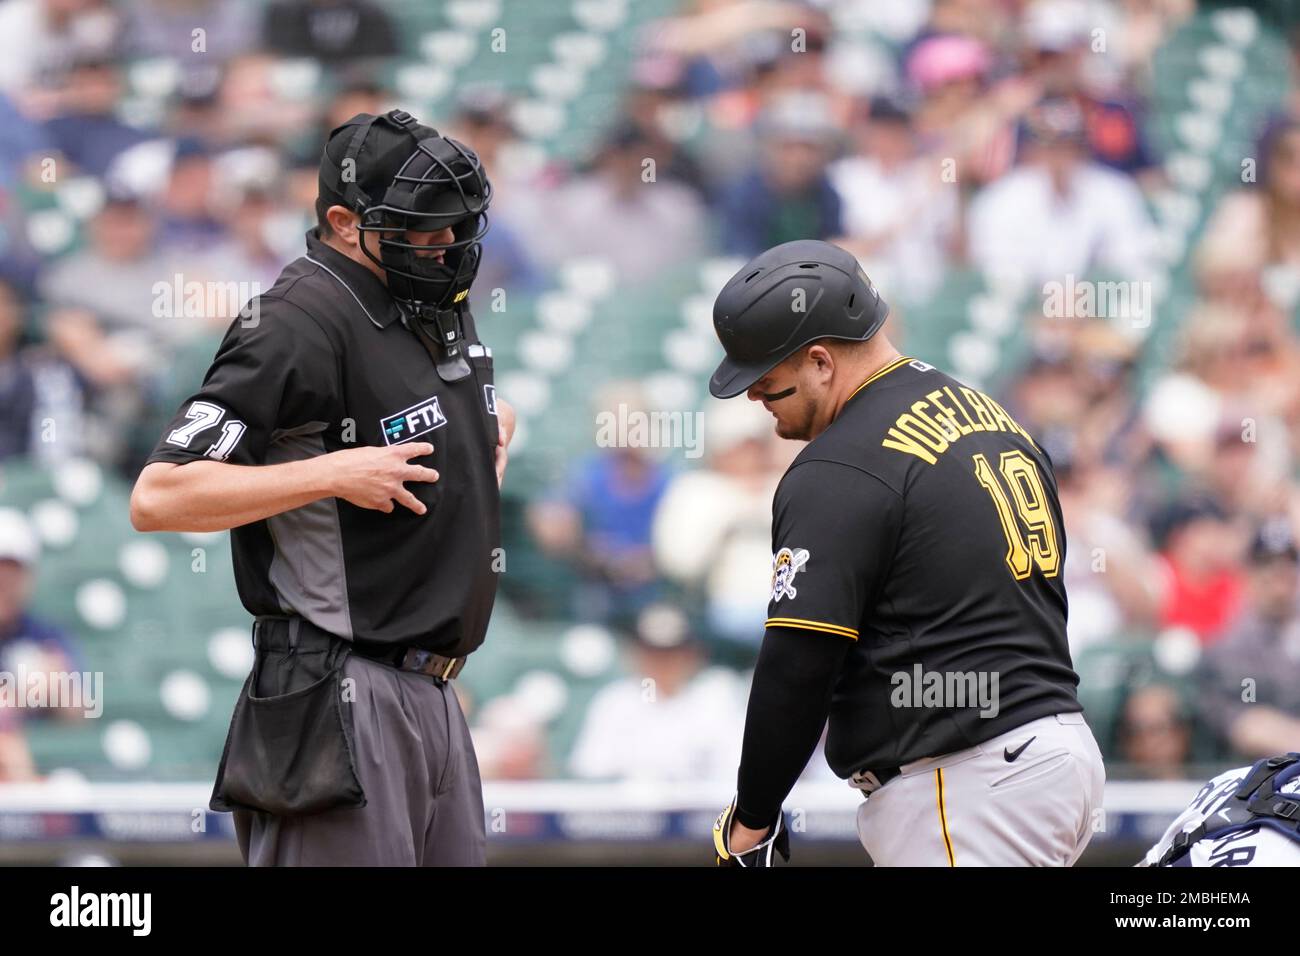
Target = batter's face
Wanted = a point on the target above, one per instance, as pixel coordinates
(795, 393)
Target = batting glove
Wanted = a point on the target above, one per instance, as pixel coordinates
(764, 854)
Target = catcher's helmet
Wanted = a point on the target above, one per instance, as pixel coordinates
(782, 300)
(397, 174)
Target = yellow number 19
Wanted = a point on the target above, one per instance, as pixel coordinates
(1037, 545)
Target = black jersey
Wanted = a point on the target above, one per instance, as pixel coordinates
(924, 525)
(320, 363)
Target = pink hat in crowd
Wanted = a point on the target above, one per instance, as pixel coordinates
(944, 58)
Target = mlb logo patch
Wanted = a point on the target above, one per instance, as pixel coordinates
(490, 398)
(421, 418)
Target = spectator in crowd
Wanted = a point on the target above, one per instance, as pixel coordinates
(1057, 214)
(194, 111)
(1253, 238)
(32, 650)
(1155, 732)
(1201, 582)
(509, 737)
(263, 233)
(1108, 569)
(720, 40)
(22, 147)
(713, 528)
(165, 28)
(329, 30)
(187, 221)
(610, 211)
(600, 520)
(116, 317)
(985, 21)
(104, 298)
(359, 92)
(40, 398)
(656, 106)
(1110, 431)
(671, 720)
(1251, 678)
(787, 194)
(900, 218)
(39, 39)
(18, 403)
(254, 104)
(1247, 476)
(1236, 375)
(16, 764)
(1058, 49)
(83, 125)
(964, 121)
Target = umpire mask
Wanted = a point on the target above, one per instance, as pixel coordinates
(407, 178)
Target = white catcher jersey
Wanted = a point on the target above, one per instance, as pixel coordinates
(1255, 845)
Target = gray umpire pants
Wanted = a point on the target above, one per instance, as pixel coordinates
(415, 761)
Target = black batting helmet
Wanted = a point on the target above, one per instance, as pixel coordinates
(785, 298)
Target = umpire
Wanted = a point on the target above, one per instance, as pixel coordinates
(917, 603)
(348, 431)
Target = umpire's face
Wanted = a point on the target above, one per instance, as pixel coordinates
(797, 393)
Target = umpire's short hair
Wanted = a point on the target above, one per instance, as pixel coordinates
(323, 228)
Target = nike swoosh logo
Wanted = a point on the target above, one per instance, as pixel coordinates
(1011, 755)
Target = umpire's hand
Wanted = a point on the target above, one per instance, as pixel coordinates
(505, 432)
(372, 477)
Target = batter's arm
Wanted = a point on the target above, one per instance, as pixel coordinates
(788, 704)
(824, 577)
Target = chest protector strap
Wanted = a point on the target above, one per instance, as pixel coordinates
(1256, 801)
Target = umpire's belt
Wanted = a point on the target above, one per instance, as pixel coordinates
(412, 659)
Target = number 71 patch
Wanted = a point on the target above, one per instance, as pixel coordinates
(205, 415)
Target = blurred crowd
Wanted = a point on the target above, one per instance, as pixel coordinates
(1008, 139)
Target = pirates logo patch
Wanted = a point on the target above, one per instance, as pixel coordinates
(786, 563)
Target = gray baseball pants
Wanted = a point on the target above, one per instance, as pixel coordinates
(415, 761)
(1029, 797)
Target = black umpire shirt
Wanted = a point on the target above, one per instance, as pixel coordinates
(324, 363)
(923, 525)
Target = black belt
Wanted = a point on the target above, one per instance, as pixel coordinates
(404, 658)
(412, 659)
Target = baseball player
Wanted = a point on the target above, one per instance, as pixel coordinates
(1244, 817)
(917, 596)
(349, 433)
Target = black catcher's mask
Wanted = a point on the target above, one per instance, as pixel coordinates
(401, 176)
